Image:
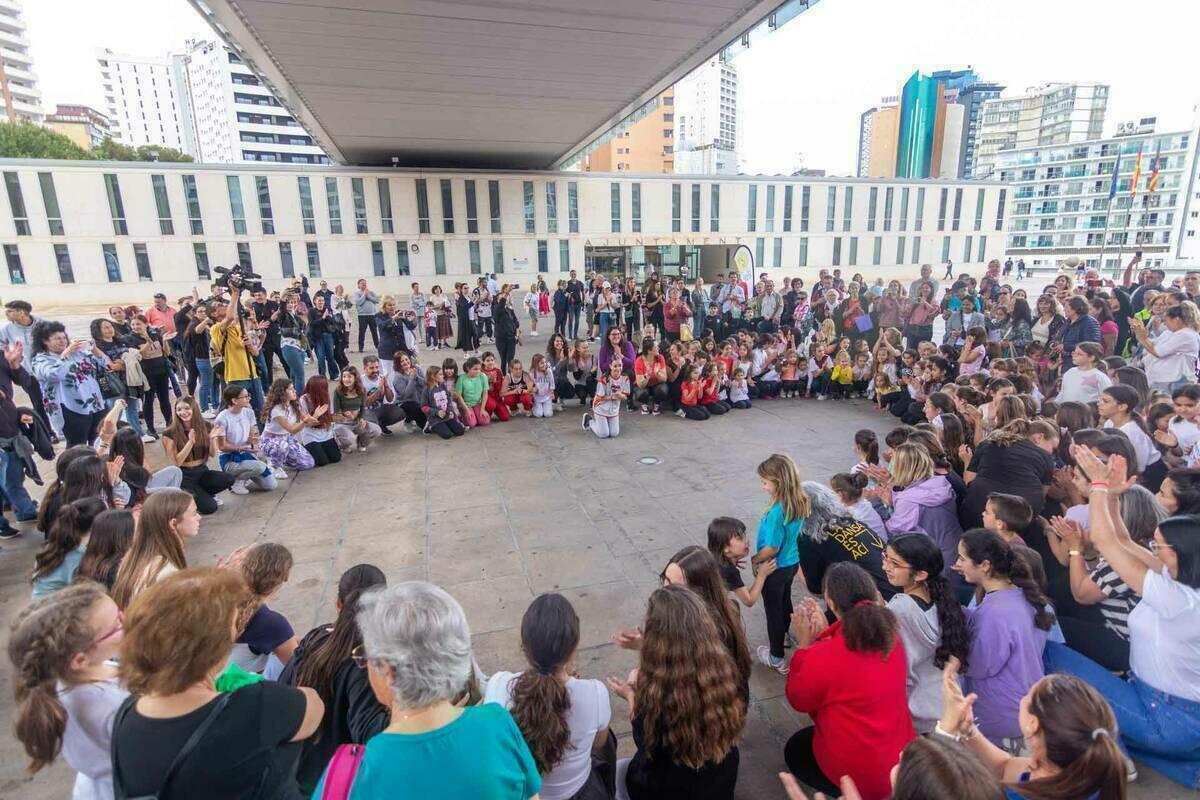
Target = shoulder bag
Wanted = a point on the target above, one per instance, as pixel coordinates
(119, 792)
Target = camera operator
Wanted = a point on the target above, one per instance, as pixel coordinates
(237, 348)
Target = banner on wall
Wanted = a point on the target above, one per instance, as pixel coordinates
(743, 262)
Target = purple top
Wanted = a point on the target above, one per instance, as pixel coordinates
(1004, 661)
(627, 357)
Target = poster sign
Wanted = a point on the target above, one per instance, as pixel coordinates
(743, 262)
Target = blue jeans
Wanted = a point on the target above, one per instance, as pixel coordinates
(207, 393)
(14, 486)
(606, 321)
(133, 410)
(1158, 729)
(326, 365)
(573, 319)
(256, 394)
(293, 359)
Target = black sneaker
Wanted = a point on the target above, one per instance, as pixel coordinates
(385, 431)
(7, 531)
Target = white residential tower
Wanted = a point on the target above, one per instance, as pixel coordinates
(22, 99)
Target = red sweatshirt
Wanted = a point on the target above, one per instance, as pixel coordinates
(859, 704)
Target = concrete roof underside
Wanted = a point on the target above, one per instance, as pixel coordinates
(514, 84)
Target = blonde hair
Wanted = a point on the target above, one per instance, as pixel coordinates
(828, 329)
(783, 472)
(910, 465)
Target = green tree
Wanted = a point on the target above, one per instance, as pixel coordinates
(108, 150)
(26, 140)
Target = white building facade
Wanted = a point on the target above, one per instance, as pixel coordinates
(146, 99)
(1061, 203)
(706, 120)
(1057, 113)
(22, 97)
(92, 232)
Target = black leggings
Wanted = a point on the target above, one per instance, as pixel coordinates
(657, 394)
(81, 428)
(801, 762)
(694, 412)
(157, 386)
(777, 603)
(412, 410)
(204, 484)
(718, 407)
(507, 347)
(446, 428)
(326, 452)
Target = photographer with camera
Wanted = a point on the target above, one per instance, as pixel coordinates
(230, 334)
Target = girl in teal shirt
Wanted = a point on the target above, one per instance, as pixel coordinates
(778, 536)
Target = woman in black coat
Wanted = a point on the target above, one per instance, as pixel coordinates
(468, 336)
(508, 327)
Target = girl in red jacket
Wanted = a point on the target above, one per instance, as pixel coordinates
(494, 405)
(850, 678)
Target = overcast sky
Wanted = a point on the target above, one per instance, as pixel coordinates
(802, 88)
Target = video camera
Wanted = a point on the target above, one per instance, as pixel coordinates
(238, 277)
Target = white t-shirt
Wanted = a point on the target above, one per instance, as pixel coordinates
(87, 741)
(1143, 445)
(237, 425)
(1164, 636)
(1188, 434)
(311, 434)
(372, 384)
(588, 715)
(288, 413)
(1177, 352)
(1083, 385)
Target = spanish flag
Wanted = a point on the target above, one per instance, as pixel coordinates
(1137, 173)
(1152, 184)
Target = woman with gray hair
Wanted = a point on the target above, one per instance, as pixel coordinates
(830, 535)
(417, 649)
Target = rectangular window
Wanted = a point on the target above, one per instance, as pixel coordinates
(787, 208)
(62, 257)
(803, 261)
(676, 210)
(979, 209)
(112, 264)
(967, 251)
(551, 207)
(877, 254)
(848, 209)
(614, 192)
(543, 250)
(497, 256)
(191, 196)
(50, 201)
(564, 255)
(957, 208)
(472, 208)
(116, 207)
(900, 250)
(695, 208)
(16, 273)
(359, 195)
(494, 204)
(760, 246)
(852, 259)
(805, 203)
(314, 259)
(770, 208)
(243, 249)
(306, 206)
(903, 210)
(573, 207)
(200, 251)
(1000, 209)
(142, 260)
(439, 257)
(945, 249)
(982, 248)
(163, 204)
(16, 200)
(422, 206)
(476, 261)
(919, 221)
(236, 208)
(402, 257)
(377, 259)
(778, 253)
(916, 250)
(830, 209)
(887, 207)
(714, 208)
(285, 260)
(385, 204)
(636, 207)
(264, 205)
(942, 209)
(752, 208)
(872, 207)
(837, 251)
(447, 206)
(530, 218)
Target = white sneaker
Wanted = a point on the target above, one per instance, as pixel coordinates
(764, 657)
(210, 414)
(278, 473)
(239, 487)
(362, 449)
(147, 438)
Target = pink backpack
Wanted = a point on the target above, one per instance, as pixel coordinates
(343, 767)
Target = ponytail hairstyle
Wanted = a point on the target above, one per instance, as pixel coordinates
(51, 500)
(1127, 396)
(923, 555)
(1080, 734)
(781, 470)
(867, 626)
(983, 545)
(540, 700)
(70, 526)
(849, 486)
(934, 766)
(319, 663)
(703, 577)
(953, 436)
(866, 441)
(108, 541)
(43, 638)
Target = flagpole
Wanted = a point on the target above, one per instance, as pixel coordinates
(1104, 242)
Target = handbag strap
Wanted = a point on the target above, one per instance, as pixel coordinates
(188, 746)
(343, 768)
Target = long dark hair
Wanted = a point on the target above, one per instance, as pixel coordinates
(1182, 532)
(984, 545)
(540, 700)
(110, 537)
(867, 626)
(923, 555)
(867, 441)
(319, 665)
(52, 499)
(703, 576)
(87, 476)
(73, 522)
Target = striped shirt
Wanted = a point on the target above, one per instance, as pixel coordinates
(1119, 599)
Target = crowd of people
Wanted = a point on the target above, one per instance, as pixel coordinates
(1000, 598)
